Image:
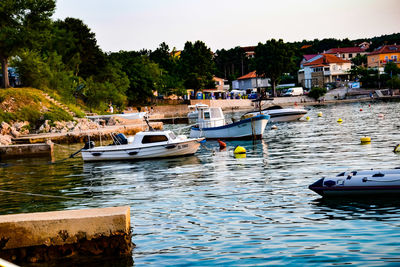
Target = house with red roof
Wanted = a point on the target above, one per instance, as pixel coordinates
(383, 55)
(249, 82)
(220, 91)
(323, 69)
(347, 53)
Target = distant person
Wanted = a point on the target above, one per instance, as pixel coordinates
(111, 108)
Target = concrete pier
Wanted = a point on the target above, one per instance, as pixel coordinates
(27, 150)
(47, 236)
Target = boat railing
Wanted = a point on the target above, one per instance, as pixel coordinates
(211, 123)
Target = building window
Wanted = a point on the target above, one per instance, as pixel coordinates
(350, 55)
(343, 56)
(326, 69)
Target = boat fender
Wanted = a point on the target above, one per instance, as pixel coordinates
(396, 148)
(221, 144)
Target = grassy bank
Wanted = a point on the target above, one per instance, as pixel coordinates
(32, 105)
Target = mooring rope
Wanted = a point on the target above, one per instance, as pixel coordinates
(38, 195)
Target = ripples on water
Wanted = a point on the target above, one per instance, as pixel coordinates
(213, 209)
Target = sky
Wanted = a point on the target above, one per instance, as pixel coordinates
(145, 24)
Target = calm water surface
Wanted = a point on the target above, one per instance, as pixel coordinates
(213, 209)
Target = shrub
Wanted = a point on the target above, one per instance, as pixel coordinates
(317, 92)
(57, 114)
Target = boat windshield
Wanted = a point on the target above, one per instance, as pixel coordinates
(154, 139)
(172, 136)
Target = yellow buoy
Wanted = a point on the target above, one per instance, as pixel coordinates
(319, 114)
(307, 118)
(365, 140)
(240, 156)
(339, 120)
(239, 150)
(396, 148)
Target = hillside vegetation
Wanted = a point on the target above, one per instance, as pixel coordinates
(34, 106)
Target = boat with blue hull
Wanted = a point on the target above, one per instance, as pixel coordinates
(211, 125)
(359, 183)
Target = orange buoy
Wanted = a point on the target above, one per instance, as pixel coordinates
(221, 144)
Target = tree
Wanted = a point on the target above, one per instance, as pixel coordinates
(317, 92)
(144, 75)
(359, 60)
(272, 59)
(171, 81)
(392, 69)
(21, 26)
(77, 44)
(232, 63)
(197, 66)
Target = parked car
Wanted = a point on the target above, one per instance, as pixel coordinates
(294, 91)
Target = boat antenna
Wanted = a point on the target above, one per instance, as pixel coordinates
(151, 129)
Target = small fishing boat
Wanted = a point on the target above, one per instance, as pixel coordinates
(194, 111)
(144, 145)
(211, 124)
(279, 114)
(356, 183)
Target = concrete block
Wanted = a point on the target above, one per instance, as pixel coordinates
(26, 150)
(89, 229)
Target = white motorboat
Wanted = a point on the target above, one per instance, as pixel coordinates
(356, 183)
(279, 114)
(211, 125)
(194, 111)
(145, 145)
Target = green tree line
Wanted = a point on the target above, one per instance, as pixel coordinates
(63, 56)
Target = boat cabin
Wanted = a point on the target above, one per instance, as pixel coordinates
(150, 138)
(209, 117)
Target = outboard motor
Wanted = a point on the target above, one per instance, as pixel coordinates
(89, 145)
(120, 139)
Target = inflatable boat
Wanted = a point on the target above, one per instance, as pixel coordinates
(368, 182)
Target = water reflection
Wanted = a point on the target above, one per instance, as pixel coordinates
(377, 208)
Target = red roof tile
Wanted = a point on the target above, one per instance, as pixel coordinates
(308, 57)
(248, 76)
(326, 59)
(386, 49)
(341, 50)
